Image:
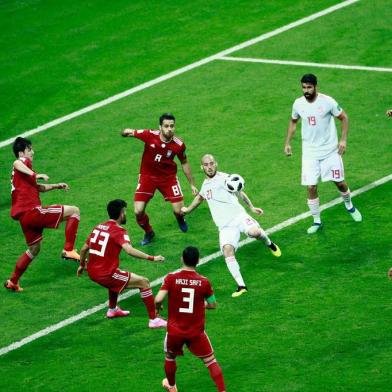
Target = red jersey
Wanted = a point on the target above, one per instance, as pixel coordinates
(187, 291)
(158, 156)
(24, 191)
(105, 243)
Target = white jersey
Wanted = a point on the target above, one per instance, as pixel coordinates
(319, 135)
(224, 205)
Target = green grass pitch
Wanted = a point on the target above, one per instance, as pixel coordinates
(319, 318)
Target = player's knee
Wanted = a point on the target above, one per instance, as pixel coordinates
(209, 359)
(138, 212)
(35, 249)
(254, 232)
(145, 283)
(228, 250)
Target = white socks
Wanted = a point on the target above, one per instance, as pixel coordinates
(346, 196)
(314, 207)
(234, 269)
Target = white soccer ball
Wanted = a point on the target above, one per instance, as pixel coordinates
(234, 183)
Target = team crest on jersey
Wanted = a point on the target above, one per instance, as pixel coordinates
(168, 153)
(152, 145)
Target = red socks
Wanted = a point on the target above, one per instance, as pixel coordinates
(144, 222)
(71, 228)
(148, 299)
(112, 299)
(216, 374)
(21, 266)
(170, 370)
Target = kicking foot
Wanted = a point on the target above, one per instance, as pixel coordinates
(275, 250)
(12, 286)
(147, 238)
(314, 228)
(241, 290)
(70, 255)
(118, 312)
(355, 214)
(157, 322)
(166, 385)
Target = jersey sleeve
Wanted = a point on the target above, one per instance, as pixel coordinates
(142, 134)
(294, 112)
(208, 289)
(181, 154)
(166, 283)
(121, 237)
(336, 110)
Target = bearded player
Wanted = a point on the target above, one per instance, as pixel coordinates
(158, 171)
(189, 295)
(321, 151)
(32, 216)
(230, 217)
(101, 254)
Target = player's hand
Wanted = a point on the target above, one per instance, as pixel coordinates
(257, 210)
(127, 132)
(63, 185)
(287, 150)
(42, 177)
(342, 147)
(390, 273)
(195, 191)
(80, 270)
(184, 210)
(159, 258)
(389, 113)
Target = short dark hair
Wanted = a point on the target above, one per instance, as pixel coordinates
(309, 78)
(20, 144)
(166, 116)
(190, 255)
(114, 208)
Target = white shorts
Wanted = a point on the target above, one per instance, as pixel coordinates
(230, 235)
(329, 169)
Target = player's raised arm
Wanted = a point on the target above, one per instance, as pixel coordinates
(129, 249)
(244, 197)
(343, 140)
(186, 168)
(195, 203)
(127, 132)
(290, 134)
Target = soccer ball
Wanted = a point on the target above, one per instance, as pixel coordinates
(234, 183)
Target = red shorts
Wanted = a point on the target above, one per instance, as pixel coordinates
(115, 282)
(168, 186)
(34, 221)
(199, 345)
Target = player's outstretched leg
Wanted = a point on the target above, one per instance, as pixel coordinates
(215, 373)
(21, 265)
(346, 196)
(72, 219)
(143, 284)
(114, 310)
(234, 268)
(260, 234)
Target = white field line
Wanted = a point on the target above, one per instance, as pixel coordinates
(306, 64)
(182, 70)
(204, 260)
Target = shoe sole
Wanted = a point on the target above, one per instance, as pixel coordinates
(236, 295)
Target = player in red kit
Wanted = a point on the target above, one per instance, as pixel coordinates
(189, 295)
(159, 171)
(104, 245)
(32, 216)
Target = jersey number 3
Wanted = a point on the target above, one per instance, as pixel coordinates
(189, 298)
(100, 238)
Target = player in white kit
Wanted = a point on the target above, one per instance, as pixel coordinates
(321, 150)
(230, 217)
